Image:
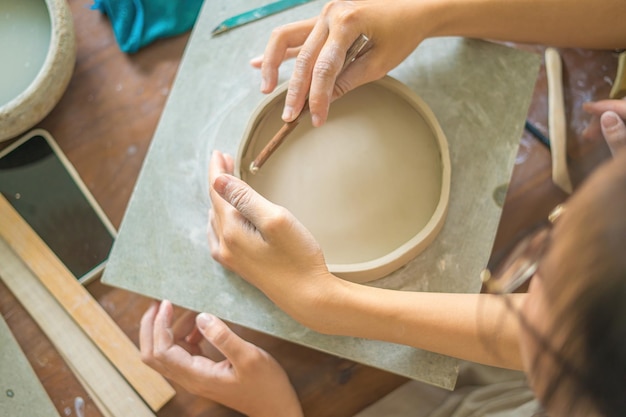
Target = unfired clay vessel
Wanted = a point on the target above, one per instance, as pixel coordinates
(44, 92)
(372, 185)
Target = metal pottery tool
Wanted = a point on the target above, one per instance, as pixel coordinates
(355, 50)
(256, 14)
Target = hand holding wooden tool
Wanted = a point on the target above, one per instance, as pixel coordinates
(355, 50)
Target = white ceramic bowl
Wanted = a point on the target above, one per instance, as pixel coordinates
(372, 185)
(46, 71)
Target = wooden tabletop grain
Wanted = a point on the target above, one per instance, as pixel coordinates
(104, 124)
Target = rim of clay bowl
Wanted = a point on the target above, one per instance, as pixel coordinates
(45, 91)
(384, 265)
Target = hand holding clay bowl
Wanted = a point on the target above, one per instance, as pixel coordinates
(38, 52)
(372, 184)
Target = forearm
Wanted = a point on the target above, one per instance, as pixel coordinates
(283, 260)
(565, 23)
(474, 327)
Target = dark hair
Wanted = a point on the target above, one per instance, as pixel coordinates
(593, 320)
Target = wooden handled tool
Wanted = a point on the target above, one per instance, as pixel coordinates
(355, 50)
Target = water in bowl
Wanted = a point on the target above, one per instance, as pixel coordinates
(25, 32)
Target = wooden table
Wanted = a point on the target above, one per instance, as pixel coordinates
(104, 124)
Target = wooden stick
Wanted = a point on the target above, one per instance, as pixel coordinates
(110, 392)
(355, 50)
(276, 141)
(82, 307)
(556, 120)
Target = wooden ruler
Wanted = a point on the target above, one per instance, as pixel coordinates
(82, 307)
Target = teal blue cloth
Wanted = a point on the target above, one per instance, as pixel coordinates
(136, 23)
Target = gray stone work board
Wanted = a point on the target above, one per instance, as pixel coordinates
(480, 93)
(21, 392)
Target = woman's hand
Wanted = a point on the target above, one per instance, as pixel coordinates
(608, 122)
(248, 380)
(264, 243)
(396, 28)
(321, 45)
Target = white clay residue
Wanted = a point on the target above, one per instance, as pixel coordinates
(79, 406)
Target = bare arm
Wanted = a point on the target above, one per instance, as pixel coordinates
(596, 24)
(268, 247)
(396, 28)
(474, 327)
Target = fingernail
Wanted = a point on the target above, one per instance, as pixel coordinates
(609, 120)
(288, 113)
(163, 305)
(317, 120)
(220, 183)
(204, 320)
(264, 84)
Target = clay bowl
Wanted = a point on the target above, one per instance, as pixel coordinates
(38, 44)
(372, 185)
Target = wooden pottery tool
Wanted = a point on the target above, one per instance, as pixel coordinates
(82, 307)
(355, 50)
(556, 120)
(110, 392)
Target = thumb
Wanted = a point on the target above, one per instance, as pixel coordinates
(614, 131)
(243, 198)
(223, 338)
